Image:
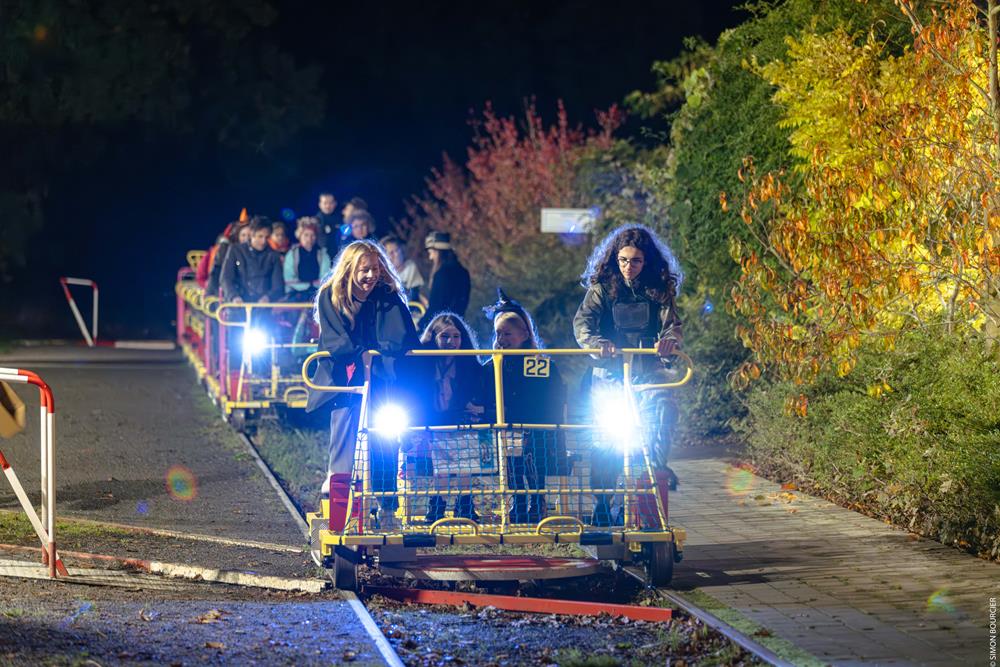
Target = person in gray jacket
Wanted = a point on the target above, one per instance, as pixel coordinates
(306, 262)
(632, 281)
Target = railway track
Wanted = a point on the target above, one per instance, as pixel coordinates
(758, 652)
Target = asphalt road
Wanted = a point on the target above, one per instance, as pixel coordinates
(138, 442)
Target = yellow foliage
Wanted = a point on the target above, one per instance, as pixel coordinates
(897, 220)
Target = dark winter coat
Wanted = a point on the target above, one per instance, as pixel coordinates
(533, 390)
(329, 232)
(533, 393)
(631, 319)
(450, 288)
(252, 274)
(382, 323)
(218, 259)
(467, 387)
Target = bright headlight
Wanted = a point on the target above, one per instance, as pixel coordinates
(616, 417)
(255, 341)
(390, 420)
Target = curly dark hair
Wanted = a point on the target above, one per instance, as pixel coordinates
(661, 275)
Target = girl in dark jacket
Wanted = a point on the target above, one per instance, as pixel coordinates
(533, 393)
(449, 284)
(360, 307)
(452, 395)
(632, 280)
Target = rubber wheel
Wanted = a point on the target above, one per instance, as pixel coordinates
(238, 418)
(345, 574)
(659, 563)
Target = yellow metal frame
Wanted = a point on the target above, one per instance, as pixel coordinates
(619, 535)
(273, 387)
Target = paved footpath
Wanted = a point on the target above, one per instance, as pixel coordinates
(139, 443)
(846, 588)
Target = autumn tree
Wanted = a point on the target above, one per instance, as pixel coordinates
(491, 205)
(894, 222)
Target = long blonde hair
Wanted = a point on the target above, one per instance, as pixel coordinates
(340, 280)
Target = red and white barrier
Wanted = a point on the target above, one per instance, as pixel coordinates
(45, 527)
(89, 336)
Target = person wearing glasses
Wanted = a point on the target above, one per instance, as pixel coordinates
(632, 280)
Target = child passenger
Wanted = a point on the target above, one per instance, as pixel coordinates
(454, 396)
(360, 307)
(533, 393)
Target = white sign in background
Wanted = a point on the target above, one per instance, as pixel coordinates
(567, 220)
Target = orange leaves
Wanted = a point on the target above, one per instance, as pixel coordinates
(723, 204)
(797, 405)
(895, 217)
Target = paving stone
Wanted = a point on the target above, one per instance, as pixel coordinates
(849, 589)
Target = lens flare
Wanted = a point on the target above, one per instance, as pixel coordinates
(739, 481)
(142, 507)
(391, 420)
(940, 602)
(288, 214)
(181, 484)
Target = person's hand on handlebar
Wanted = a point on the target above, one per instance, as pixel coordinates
(608, 349)
(665, 347)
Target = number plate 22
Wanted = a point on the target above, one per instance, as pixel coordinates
(536, 367)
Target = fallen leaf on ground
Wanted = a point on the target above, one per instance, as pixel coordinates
(211, 616)
(218, 645)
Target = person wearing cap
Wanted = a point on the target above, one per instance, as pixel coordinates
(533, 393)
(449, 285)
(632, 281)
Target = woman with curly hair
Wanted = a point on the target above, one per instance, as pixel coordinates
(632, 280)
(359, 307)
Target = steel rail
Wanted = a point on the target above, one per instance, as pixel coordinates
(392, 658)
(716, 623)
(381, 642)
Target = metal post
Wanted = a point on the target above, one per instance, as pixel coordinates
(501, 423)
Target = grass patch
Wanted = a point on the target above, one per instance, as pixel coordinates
(16, 529)
(911, 436)
(575, 658)
(758, 633)
(297, 457)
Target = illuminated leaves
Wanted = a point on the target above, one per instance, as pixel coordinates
(895, 219)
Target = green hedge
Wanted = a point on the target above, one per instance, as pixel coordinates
(923, 454)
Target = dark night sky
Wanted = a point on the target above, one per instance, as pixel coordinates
(401, 81)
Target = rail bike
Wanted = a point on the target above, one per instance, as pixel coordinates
(417, 493)
(248, 356)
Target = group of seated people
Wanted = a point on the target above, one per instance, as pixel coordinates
(631, 282)
(255, 261)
